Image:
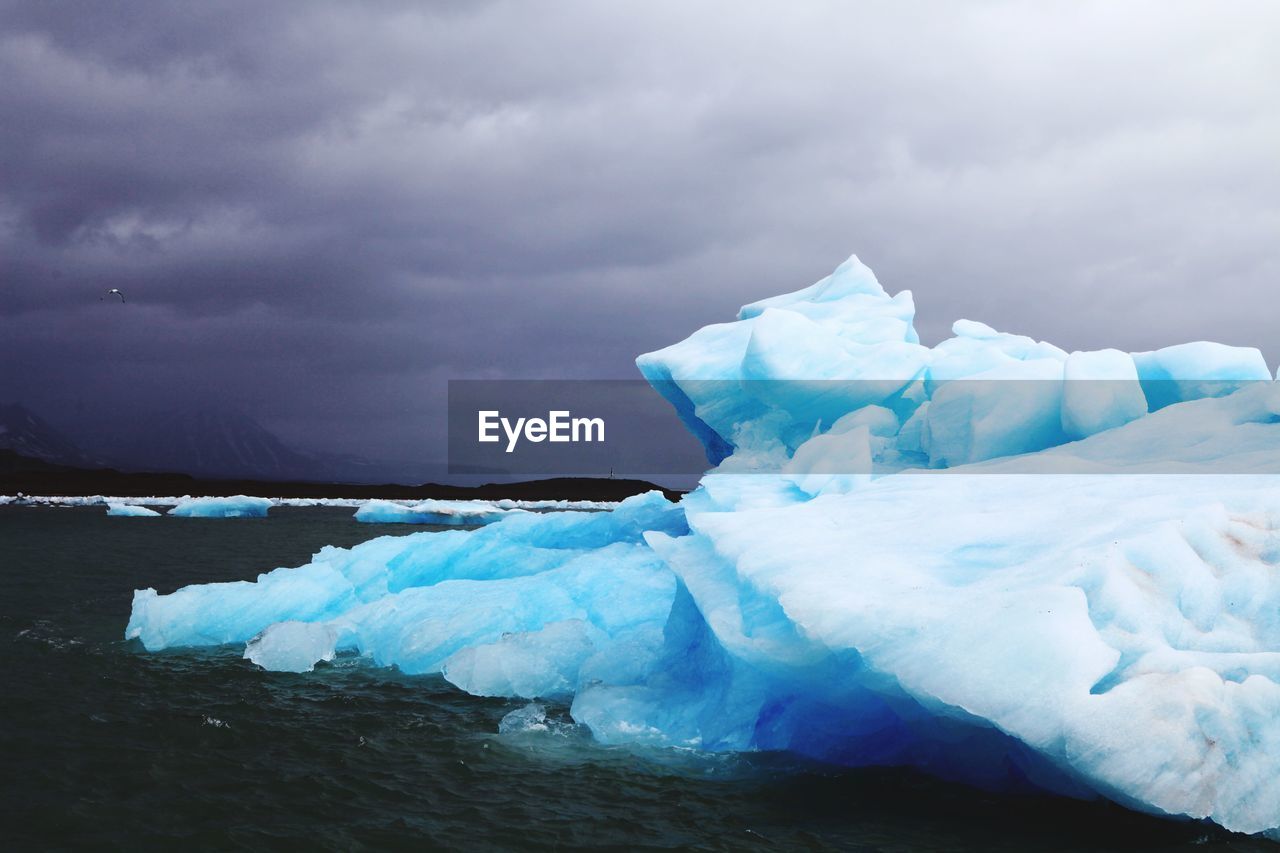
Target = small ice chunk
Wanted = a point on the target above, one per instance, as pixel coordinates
(530, 718)
(292, 646)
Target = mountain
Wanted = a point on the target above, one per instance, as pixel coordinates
(213, 443)
(229, 444)
(201, 442)
(30, 476)
(29, 435)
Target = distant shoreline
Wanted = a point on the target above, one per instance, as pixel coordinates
(23, 475)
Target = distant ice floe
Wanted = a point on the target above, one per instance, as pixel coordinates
(131, 511)
(459, 512)
(236, 506)
(990, 559)
(431, 512)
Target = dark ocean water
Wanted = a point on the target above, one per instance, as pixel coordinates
(108, 747)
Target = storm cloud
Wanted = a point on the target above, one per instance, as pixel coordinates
(321, 212)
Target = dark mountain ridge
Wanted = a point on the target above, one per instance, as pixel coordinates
(27, 434)
(30, 476)
(213, 443)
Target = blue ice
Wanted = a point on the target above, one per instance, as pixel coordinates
(130, 511)
(430, 512)
(237, 506)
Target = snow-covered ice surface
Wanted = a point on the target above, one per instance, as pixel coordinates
(236, 506)
(1069, 581)
(131, 511)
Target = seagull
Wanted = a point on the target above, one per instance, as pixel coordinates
(115, 291)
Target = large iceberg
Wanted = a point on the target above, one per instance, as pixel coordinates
(990, 559)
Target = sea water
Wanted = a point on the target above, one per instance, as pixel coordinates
(105, 745)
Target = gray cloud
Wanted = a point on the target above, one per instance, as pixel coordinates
(321, 211)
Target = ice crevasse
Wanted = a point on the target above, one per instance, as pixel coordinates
(991, 559)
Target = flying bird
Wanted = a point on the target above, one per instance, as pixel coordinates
(115, 291)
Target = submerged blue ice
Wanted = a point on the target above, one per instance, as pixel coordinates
(1111, 635)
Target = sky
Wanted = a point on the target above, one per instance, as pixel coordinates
(322, 212)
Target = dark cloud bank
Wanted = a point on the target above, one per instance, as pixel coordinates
(321, 212)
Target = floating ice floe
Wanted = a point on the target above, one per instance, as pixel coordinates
(991, 559)
(354, 503)
(430, 512)
(131, 511)
(236, 506)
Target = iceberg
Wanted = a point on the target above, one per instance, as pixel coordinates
(991, 559)
(130, 511)
(238, 506)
